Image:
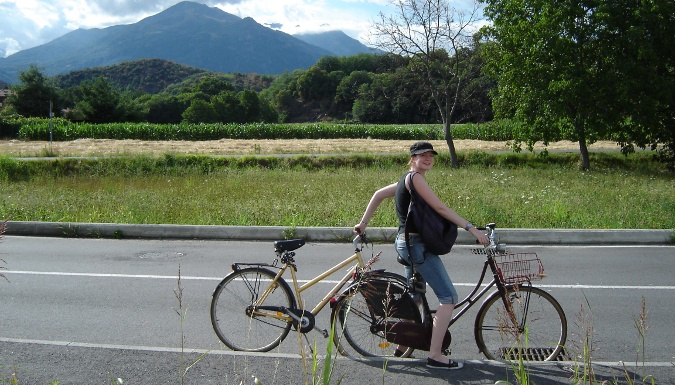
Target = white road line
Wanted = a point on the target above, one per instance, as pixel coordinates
(162, 349)
(197, 278)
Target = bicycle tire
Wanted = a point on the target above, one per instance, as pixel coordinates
(541, 333)
(354, 317)
(232, 321)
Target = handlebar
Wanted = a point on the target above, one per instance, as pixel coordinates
(361, 238)
(494, 239)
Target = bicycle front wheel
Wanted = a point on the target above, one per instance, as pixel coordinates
(359, 317)
(243, 311)
(536, 330)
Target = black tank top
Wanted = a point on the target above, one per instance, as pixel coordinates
(402, 201)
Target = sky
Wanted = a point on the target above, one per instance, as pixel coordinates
(28, 23)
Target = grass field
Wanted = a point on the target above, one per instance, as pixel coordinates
(513, 190)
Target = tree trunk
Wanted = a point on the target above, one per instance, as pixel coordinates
(583, 145)
(585, 160)
(451, 144)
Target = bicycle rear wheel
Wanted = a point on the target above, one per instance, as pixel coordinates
(538, 333)
(358, 314)
(236, 315)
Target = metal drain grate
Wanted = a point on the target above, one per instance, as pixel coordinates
(531, 354)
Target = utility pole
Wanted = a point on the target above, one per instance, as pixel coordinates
(50, 127)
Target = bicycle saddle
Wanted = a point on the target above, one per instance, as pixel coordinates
(290, 245)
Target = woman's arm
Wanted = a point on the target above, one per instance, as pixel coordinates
(377, 198)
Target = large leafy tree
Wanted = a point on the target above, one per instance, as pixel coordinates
(642, 40)
(347, 91)
(200, 111)
(100, 101)
(393, 98)
(166, 108)
(34, 94)
(431, 32)
(228, 107)
(576, 69)
(250, 105)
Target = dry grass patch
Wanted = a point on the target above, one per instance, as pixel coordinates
(109, 147)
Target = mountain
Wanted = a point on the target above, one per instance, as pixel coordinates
(187, 33)
(147, 75)
(156, 75)
(337, 42)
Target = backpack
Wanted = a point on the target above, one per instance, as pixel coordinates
(438, 234)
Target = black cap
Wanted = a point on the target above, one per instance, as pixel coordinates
(421, 147)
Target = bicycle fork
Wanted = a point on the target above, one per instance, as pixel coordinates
(518, 300)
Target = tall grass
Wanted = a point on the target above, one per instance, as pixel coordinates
(584, 349)
(514, 190)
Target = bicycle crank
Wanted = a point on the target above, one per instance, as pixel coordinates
(305, 320)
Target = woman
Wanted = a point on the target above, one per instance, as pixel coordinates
(427, 264)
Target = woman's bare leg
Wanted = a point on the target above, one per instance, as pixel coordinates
(441, 322)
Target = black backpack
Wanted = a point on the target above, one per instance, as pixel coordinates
(438, 234)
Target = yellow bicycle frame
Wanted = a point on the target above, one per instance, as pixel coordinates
(299, 289)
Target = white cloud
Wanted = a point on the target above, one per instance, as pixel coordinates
(302, 16)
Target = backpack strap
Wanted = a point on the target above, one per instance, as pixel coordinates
(411, 190)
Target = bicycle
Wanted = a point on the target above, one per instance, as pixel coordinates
(253, 308)
(516, 321)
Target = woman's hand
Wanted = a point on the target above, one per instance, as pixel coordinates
(480, 236)
(360, 228)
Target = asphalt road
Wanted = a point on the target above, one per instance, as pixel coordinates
(85, 311)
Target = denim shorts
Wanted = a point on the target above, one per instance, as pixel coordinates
(430, 266)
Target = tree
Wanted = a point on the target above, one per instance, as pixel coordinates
(347, 90)
(33, 94)
(213, 85)
(394, 98)
(228, 107)
(200, 111)
(474, 105)
(642, 38)
(431, 32)
(133, 108)
(371, 106)
(329, 63)
(100, 101)
(267, 113)
(166, 108)
(314, 84)
(581, 69)
(250, 106)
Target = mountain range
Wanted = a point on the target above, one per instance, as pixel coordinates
(187, 33)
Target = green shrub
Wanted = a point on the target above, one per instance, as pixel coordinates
(12, 170)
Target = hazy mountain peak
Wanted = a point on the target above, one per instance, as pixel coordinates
(188, 33)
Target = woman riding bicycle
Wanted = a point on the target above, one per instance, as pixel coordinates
(429, 265)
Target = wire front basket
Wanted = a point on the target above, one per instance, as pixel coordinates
(520, 267)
